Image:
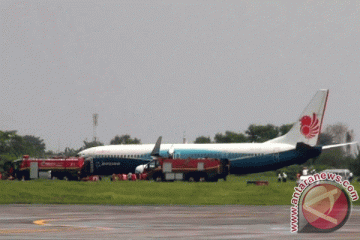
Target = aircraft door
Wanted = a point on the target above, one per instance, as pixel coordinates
(91, 165)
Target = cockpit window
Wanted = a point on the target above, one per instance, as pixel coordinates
(152, 164)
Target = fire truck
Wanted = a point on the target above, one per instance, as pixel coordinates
(60, 167)
(191, 169)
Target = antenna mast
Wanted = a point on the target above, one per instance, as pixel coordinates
(95, 123)
(184, 138)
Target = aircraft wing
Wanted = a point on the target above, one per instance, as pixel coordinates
(156, 151)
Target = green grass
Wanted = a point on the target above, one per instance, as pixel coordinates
(233, 191)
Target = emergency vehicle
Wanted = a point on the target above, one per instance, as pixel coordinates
(191, 169)
(60, 167)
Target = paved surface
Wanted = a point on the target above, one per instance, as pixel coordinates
(157, 222)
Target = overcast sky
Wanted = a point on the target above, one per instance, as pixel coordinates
(162, 68)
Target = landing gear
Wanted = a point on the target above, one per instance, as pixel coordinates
(191, 179)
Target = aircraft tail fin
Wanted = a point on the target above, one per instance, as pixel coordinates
(307, 128)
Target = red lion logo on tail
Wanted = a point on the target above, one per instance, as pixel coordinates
(310, 127)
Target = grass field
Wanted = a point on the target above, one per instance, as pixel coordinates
(234, 191)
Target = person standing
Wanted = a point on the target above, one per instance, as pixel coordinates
(129, 176)
(284, 177)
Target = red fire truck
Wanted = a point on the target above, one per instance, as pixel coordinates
(60, 167)
(191, 169)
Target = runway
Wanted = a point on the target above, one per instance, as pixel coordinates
(157, 222)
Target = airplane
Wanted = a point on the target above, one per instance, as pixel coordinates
(295, 147)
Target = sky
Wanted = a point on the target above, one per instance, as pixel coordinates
(173, 68)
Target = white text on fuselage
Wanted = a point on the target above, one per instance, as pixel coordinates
(110, 164)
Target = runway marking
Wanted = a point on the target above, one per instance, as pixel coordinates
(44, 222)
(7, 231)
(40, 222)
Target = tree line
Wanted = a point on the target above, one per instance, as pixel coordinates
(254, 133)
(14, 146)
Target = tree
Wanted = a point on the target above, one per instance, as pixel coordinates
(340, 157)
(260, 133)
(5, 141)
(340, 133)
(124, 139)
(202, 139)
(18, 146)
(285, 128)
(13, 146)
(90, 145)
(337, 132)
(49, 153)
(354, 165)
(71, 152)
(230, 137)
(333, 158)
(325, 139)
(34, 145)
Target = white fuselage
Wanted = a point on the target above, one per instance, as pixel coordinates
(225, 150)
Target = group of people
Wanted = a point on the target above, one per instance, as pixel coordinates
(282, 177)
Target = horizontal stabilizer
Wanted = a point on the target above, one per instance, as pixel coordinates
(338, 145)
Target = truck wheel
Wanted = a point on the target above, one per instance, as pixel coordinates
(204, 177)
(18, 176)
(158, 178)
(27, 176)
(214, 179)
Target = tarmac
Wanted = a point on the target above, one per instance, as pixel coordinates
(158, 222)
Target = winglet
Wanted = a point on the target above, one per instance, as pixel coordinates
(156, 151)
